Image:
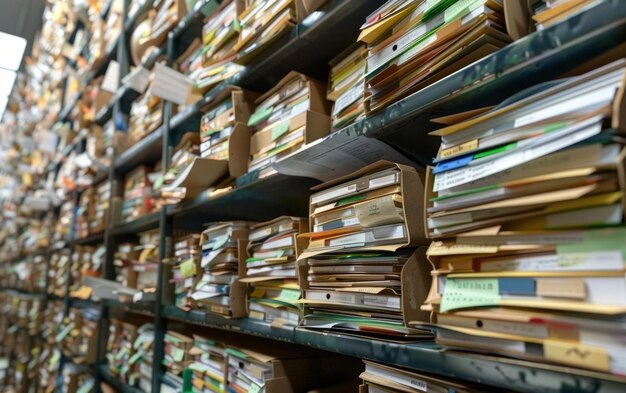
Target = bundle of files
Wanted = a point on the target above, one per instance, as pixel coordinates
(100, 217)
(146, 115)
(141, 361)
(50, 360)
(120, 349)
(263, 22)
(217, 51)
(412, 44)
(526, 206)
(548, 12)
(177, 358)
(168, 186)
(63, 226)
(216, 288)
(346, 86)
(361, 272)
(60, 261)
(381, 378)
(137, 194)
(208, 365)
(79, 337)
(84, 213)
(138, 265)
(225, 137)
(184, 267)
(271, 269)
(87, 262)
(291, 114)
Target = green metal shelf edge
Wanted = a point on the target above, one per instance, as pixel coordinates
(146, 150)
(109, 378)
(145, 223)
(422, 356)
(90, 239)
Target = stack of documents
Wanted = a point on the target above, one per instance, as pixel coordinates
(141, 361)
(64, 223)
(219, 37)
(271, 269)
(186, 261)
(177, 358)
(208, 365)
(414, 43)
(100, 216)
(361, 254)
(120, 349)
(380, 378)
(263, 22)
(167, 186)
(346, 87)
(87, 262)
(526, 203)
(146, 115)
(549, 12)
(217, 289)
(288, 116)
(137, 191)
(139, 265)
(58, 272)
(84, 213)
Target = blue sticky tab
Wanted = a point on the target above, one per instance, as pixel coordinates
(517, 286)
(453, 164)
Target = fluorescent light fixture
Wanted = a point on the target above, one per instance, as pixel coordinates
(13, 48)
(7, 79)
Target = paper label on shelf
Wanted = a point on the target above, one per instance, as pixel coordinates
(188, 268)
(337, 155)
(387, 301)
(111, 77)
(463, 293)
(289, 295)
(171, 85)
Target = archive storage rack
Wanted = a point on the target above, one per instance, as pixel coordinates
(541, 56)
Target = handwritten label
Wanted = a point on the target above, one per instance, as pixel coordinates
(463, 293)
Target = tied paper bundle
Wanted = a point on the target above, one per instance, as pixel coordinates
(141, 361)
(414, 43)
(291, 114)
(138, 265)
(146, 115)
(120, 349)
(271, 270)
(216, 288)
(137, 194)
(361, 271)
(526, 206)
(184, 267)
(208, 365)
(177, 358)
(346, 87)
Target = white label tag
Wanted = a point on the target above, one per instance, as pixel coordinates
(170, 85)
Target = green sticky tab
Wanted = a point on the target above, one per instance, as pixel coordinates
(121, 353)
(188, 268)
(236, 353)
(279, 129)
(158, 183)
(554, 126)
(604, 248)
(178, 354)
(289, 295)
(254, 388)
(260, 115)
(134, 358)
(457, 9)
(350, 199)
(496, 150)
(63, 333)
(470, 292)
(219, 242)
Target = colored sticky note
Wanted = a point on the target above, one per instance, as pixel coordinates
(254, 388)
(188, 268)
(134, 358)
(63, 333)
(260, 115)
(464, 293)
(280, 128)
(605, 245)
(289, 295)
(178, 354)
(158, 182)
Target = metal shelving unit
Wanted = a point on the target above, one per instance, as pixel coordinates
(309, 46)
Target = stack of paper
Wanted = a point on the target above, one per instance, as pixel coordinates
(380, 378)
(219, 37)
(120, 349)
(186, 261)
(286, 117)
(364, 228)
(526, 204)
(146, 115)
(137, 191)
(414, 43)
(87, 262)
(139, 265)
(217, 289)
(263, 22)
(208, 365)
(141, 361)
(167, 187)
(247, 370)
(346, 87)
(58, 272)
(271, 269)
(64, 225)
(177, 358)
(549, 12)
(100, 216)
(84, 213)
